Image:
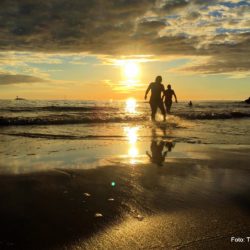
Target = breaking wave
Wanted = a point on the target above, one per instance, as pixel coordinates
(57, 109)
(214, 116)
(110, 118)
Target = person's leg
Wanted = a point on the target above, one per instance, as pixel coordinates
(153, 110)
(168, 106)
(161, 107)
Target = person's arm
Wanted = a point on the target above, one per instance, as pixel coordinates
(165, 154)
(148, 154)
(175, 97)
(146, 93)
(163, 93)
(163, 96)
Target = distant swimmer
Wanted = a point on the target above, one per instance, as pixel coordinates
(190, 104)
(157, 88)
(19, 99)
(168, 95)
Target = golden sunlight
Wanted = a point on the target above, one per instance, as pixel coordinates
(131, 134)
(133, 152)
(131, 105)
(131, 69)
(132, 138)
(130, 73)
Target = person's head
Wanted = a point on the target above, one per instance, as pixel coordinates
(169, 86)
(158, 79)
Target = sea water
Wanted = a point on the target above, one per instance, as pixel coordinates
(38, 135)
(204, 122)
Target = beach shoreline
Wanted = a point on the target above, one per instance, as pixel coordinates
(194, 200)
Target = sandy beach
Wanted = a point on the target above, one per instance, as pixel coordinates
(93, 195)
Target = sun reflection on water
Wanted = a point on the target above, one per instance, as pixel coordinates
(131, 105)
(132, 136)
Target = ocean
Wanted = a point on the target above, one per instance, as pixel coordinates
(218, 122)
(48, 135)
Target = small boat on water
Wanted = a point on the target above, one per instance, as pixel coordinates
(19, 99)
(247, 101)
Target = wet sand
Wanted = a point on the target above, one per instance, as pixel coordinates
(196, 200)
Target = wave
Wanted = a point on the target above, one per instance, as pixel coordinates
(192, 140)
(214, 116)
(57, 109)
(111, 118)
(64, 137)
(175, 139)
(20, 121)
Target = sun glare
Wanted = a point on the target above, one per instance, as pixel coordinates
(131, 105)
(132, 136)
(131, 69)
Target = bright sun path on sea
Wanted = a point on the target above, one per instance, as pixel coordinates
(131, 133)
(131, 105)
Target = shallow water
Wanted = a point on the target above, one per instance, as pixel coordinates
(119, 176)
(43, 135)
(205, 122)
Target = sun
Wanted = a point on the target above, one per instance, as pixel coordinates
(130, 69)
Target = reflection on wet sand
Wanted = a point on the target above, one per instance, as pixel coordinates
(158, 154)
(159, 148)
(168, 206)
(132, 136)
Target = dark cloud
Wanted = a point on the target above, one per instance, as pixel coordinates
(68, 25)
(226, 58)
(171, 5)
(112, 27)
(149, 28)
(220, 65)
(193, 15)
(7, 79)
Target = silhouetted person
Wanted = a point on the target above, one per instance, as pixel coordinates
(157, 88)
(158, 156)
(190, 104)
(168, 95)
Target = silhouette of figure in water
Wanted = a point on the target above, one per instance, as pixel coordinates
(168, 95)
(190, 104)
(158, 156)
(157, 88)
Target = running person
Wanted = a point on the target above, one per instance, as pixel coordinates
(156, 100)
(168, 95)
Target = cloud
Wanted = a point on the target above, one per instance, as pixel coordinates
(172, 5)
(7, 79)
(218, 29)
(222, 58)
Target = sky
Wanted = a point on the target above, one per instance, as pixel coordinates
(112, 49)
